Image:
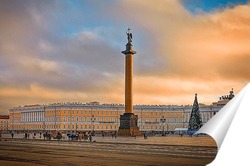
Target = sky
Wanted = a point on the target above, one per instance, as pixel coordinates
(70, 51)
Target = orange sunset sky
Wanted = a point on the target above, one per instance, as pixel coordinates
(60, 51)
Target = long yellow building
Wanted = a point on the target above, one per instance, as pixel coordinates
(70, 117)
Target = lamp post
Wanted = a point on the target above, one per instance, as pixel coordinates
(117, 117)
(183, 119)
(55, 118)
(141, 119)
(76, 126)
(12, 128)
(163, 121)
(44, 119)
(70, 119)
(93, 121)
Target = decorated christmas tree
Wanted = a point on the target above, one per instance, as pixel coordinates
(195, 121)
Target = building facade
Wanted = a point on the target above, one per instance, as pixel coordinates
(4, 122)
(224, 99)
(72, 117)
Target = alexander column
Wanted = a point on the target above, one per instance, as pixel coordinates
(128, 121)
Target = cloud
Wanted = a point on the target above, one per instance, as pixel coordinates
(36, 51)
(200, 46)
(185, 50)
(77, 54)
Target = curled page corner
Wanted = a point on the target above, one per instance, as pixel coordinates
(230, 130)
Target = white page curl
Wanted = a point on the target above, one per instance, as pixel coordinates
(230, 129)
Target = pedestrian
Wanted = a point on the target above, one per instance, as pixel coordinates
(12, 135)
(34, 136)
(112, 135)
(80, 137)
(90, 138)
(45, 135)
(40, 135)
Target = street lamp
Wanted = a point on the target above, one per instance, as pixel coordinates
(76, 126)
(183, 119)
(55, 118)
(117, 116)
(12, 128)
(163, 121)
(141, 118)
(93, 121)
(70, 119)
(44, 119)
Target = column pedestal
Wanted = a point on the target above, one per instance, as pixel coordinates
(128, 125)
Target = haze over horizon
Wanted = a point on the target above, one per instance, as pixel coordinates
(63, 51)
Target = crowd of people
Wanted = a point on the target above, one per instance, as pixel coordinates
(69, 136)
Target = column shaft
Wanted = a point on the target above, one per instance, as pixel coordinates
(128, 84)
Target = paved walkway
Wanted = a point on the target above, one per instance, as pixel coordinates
(155, 140)
(38, 152)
